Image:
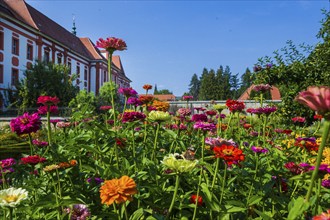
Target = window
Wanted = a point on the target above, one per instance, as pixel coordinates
(14, 77)
(46, 56)
(1, 73)
(69, 66)
(104, 76)
(59, 59)
(85, 78)
(1, 40)
(29, 52)
(78, 73)
(15, 46)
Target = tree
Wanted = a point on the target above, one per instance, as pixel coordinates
(234, 83)
(194, 86)
(208, 85)
(163, 92)
(45, 79)
(155, 90)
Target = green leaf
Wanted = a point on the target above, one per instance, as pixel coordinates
(297, 207)
(263, 215)
(137, 214)
(254, 200)
(231, 209)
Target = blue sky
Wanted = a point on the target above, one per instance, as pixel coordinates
(169, 41)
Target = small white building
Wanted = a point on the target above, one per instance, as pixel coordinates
(27, 35)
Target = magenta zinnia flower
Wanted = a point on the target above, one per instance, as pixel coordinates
(39, 143)
(133, 116)
(258, 149)
(187, 97)
(48, 100)
(128, 92)
(205, 126)
(316, 98)
(7, 162)
(111, 44)
(299, 119)
(26, 124)
(105, 107)
(199, 117)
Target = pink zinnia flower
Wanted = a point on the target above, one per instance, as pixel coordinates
(133, 116)
(199, 117)
(48, 100)
(26, 124)
(258, 149)
(262, 88)
(187, 97)
(39, 143)
(111, 44)
(205, 126)
(105, 107)
(316, 98)
(299, 119)
(184, 112)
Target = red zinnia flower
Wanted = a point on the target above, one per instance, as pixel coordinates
(230, 154)
(35, 159)
(147, 87)
(199, 200)
(111, 44)
(318, 117)
(234, 105)
(48, 100)
(323, 216)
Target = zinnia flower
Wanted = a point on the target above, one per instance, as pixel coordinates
(229, 154)
(299, 119)
(128, 92)
(160, 105)
(178, 163)
(159, 116)
(7, 162)
(42, 110)
(235, 106)
(26, 123)
(219, 107)
(147, 87)
(48, 100)
(134, 101)
(39, 143)
(111, 44)
(35, 159)
(133, 116)
(199, 199)
(262, 88)
(187, 97)
(199, 117)
(183, 112)
(258, 149)
(118, 190)
(79, 212)
(323, 216)
(12, 197)
(105, 107)
(205, 126)
(146, 99)
(316, 98)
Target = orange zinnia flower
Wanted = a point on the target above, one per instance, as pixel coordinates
(146, 99)
(230, 154)
(147, 87)
(161, 106)
(118, 190)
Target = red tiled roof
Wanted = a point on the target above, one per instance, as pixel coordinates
(91, 48)
(116, 60)
(165, 97)
(32, 17)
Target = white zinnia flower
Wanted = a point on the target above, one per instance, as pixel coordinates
(12, 196)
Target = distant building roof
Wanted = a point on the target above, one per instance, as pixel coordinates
(165, 97)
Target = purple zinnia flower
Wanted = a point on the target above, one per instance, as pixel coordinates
(204, 126)
(134, 101)
(262, 88)
(42, 110)
(40, 143)
(26, 123)
(80, 212)
(7, 162)
(258, 149)
(133, 116)
(326, 184)
(219, 141)
(96, 180)
(199, 117)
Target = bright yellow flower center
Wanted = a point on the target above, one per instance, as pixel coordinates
(11, 198)
(227, 151)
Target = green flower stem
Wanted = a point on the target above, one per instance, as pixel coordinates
(219, 125)
(125, 209)
(223, 183)
(155, 142)
(215, 172)
(198, 191)
(3, 178)
(254, 178)
(203, 146)
(318, 127)
(30, 143)
(116, 211)
(116, 154)
(145, 132)
(261, 99)
(177, 180)
(10, 213)
(111, 87)
(48, 127)
(56, 198)
(317, 203)
(319, 158)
